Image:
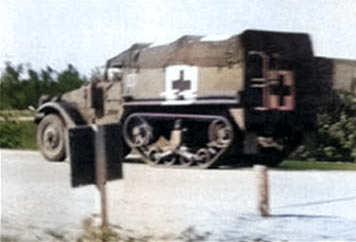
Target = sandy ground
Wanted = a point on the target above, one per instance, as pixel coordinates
(38, 203)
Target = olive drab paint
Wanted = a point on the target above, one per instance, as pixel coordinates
(244, 99)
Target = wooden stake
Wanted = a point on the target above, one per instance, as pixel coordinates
(101, 176)
(263, 192)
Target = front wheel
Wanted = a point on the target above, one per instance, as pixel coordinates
(51, 138)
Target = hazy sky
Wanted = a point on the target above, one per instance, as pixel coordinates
(86, 33)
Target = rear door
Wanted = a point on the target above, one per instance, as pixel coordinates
(267, 86)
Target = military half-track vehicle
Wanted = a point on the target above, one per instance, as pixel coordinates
(197, 102)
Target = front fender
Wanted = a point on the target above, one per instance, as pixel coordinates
(69, 113)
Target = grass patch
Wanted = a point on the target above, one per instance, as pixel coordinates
(317, 165)
(28, 137)
(16, 113)
(18, 135)
(57, 235)
(9, 238)
(92, 232)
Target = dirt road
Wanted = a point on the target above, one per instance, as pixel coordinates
(38, 204)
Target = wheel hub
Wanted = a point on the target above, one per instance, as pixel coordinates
(51, 138)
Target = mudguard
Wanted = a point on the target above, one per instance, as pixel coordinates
(69, 113)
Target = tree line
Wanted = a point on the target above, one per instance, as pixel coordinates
(21, 87)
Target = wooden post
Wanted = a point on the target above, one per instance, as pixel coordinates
(101, 176)
(263, 192)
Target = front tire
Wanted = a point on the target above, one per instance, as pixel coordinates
(51, 138)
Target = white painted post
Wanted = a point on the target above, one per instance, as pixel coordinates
(263, 189)
(101, 176)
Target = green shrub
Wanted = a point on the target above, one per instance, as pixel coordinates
(10, 134)
(335, 137)
(18, 135)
